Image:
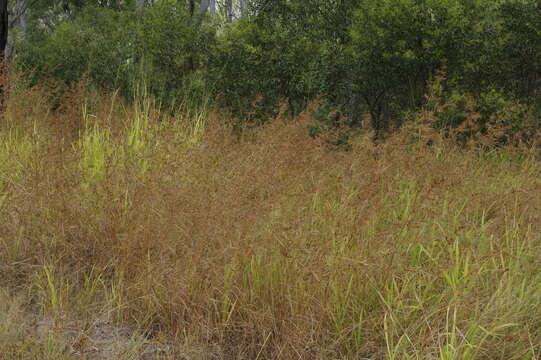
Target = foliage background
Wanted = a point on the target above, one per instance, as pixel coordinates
(358, 59)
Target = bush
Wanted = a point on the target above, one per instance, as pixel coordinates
(397, 45)
(173, 49)
(488, 119)
(353, 56)
(518, 61)
(288, 52)
(162, 46)
(255, 68)
(97, 43)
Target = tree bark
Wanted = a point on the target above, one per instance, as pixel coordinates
(140, 4)
(212, 7)
(21, 12)
(202, 11)
(229, 11)
(191, 8)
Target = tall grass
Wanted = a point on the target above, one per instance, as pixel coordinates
(264, 246)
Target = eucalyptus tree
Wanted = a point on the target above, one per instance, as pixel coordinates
(18, 24)
(229, 11)
(203, 8)
(20, 12)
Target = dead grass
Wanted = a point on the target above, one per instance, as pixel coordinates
(267, 246)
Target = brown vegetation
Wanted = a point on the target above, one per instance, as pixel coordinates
(267, 245)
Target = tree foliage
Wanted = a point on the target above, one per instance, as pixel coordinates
(120, 49)
(356, 58)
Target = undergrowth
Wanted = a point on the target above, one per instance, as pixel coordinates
(266, 245)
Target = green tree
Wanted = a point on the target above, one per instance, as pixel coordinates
(397, 45)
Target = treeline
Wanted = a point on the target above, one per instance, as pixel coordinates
(359, 60)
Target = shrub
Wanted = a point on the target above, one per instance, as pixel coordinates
(489, 118)
(397, 45)
(255, 68)
(173, 49)
(97, 43)
(117, 49)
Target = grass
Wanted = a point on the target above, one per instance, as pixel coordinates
(191, 242)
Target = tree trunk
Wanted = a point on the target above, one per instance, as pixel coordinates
(4, 26)
(244, 7)
(191, 8)
(140, 4)
(212, 7)
(21, 12)
(229, 11)
(202, 11)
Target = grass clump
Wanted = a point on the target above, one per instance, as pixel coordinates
(193, 242)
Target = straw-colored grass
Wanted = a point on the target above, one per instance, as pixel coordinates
(192, 242)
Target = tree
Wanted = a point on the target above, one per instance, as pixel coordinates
(202, 11)
(396, 46)
(229, 11)
(243, 7)
(191, 8)
(21, 13)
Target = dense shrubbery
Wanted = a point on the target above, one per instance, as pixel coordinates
(96, 43)
(160, 47)
(354, 57)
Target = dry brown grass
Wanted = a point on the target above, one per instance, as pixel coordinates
(267, 246)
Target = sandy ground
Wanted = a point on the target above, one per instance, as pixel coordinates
(99, 340)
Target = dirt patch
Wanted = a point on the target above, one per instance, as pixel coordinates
(99, 339)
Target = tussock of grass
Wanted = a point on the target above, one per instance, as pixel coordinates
(268, 245)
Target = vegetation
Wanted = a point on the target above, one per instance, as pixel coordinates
(271, 180)
(355, 57)
(203, 244)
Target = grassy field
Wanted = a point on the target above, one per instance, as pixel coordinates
(130, 234)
